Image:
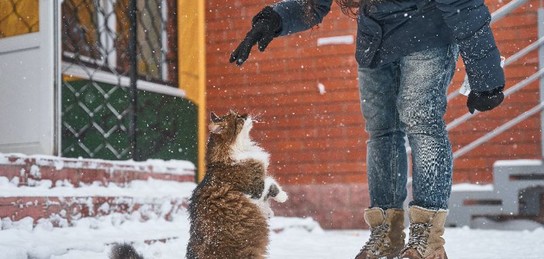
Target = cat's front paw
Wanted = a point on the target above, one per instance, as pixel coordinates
(274, 191)
(281, 197)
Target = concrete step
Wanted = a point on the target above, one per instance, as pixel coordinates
(516, 189)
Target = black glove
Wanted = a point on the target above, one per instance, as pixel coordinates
(266, 26)
(484, 101)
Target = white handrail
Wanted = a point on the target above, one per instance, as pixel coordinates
(498, 131)
(524, 51)
(507, 92)
(506, 9)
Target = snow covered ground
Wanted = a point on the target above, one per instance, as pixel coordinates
(299, 238)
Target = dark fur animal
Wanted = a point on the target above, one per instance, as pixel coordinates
(226, 219)
(124, 251)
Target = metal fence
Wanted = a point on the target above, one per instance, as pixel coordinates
(110, 48)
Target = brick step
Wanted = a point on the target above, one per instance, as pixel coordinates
(26, 170)
(61, 211)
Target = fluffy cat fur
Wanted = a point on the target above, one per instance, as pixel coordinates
(124, 251)
(228, 210)
(272, 190)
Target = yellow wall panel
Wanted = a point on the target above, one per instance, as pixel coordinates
(192, 67)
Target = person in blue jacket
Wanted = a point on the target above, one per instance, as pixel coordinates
(406, 51)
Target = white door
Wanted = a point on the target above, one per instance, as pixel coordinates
(29, 97)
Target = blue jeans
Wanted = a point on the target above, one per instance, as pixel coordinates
(408, 98)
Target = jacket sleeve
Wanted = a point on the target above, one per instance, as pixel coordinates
(294, 18)
(469, 21)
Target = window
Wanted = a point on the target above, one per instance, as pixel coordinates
(97, 34)
(18, 17)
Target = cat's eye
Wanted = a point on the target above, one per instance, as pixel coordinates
(214, 118)
(241, 118)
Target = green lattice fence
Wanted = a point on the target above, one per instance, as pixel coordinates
(94, 123)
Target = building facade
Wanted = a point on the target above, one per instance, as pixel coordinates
(304, 89)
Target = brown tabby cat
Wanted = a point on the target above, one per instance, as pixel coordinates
(229, 208)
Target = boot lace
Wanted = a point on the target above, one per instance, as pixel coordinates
(377, 241)
(419, 236)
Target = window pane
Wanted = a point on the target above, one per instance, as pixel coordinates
(80, 34)
(18, 17)
(152, 46)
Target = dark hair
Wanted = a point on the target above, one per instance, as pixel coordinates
(308, 11)
(349, 7)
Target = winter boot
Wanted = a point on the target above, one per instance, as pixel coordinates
(426, 230)
(386, 234)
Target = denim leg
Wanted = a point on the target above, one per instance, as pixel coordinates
(386, 153)
(422, 101)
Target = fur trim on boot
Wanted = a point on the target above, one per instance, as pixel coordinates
(386, 234)
(426, 230)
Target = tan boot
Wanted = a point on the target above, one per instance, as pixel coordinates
(426, 230)
(386, 234)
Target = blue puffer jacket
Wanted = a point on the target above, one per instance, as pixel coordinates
(389, 29)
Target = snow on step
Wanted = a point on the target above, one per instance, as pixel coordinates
(136, 188)
(151, 198)
(61, 190)
(27, 169)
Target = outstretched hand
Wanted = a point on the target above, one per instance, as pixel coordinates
(266, 26)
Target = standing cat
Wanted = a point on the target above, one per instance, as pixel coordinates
(229, 208)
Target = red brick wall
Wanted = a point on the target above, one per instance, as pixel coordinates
(318, 139)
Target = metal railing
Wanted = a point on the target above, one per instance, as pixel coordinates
(497, 15)
(460, 120)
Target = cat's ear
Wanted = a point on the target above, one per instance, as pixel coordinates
(214, 118)
(214, 126)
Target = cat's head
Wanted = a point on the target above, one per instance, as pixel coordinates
(229, 126)
(225, 130)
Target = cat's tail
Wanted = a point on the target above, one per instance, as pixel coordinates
(124, 251)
